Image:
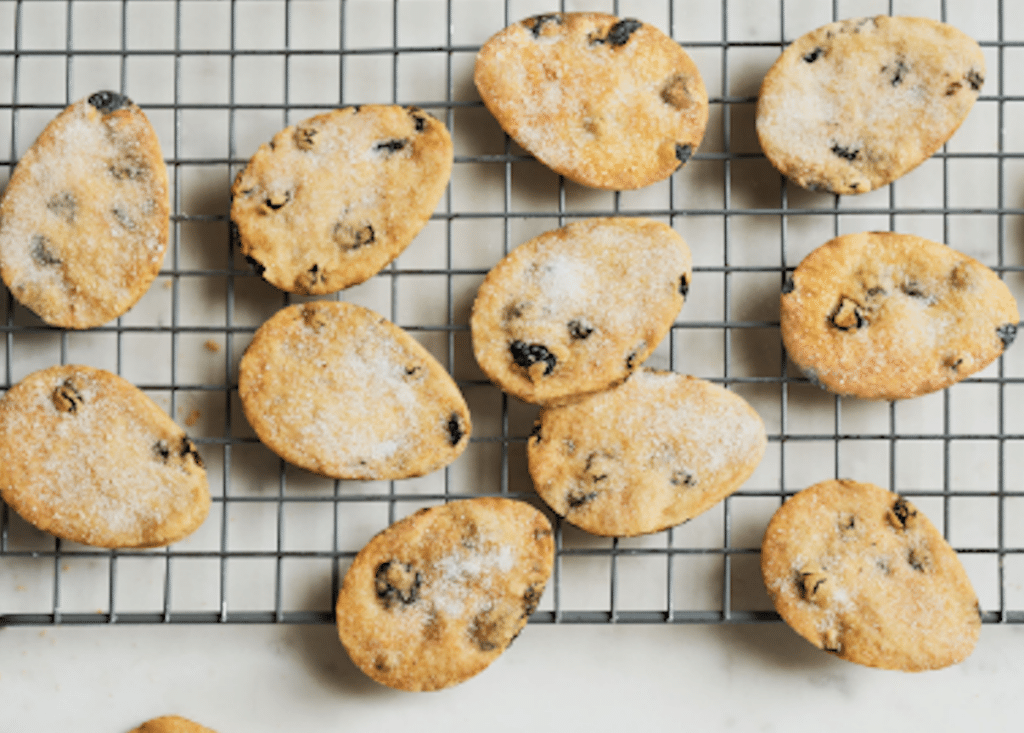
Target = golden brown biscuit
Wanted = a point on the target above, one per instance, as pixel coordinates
(859, 572)
(436, 597)
(86, 456)
(84, 219)
(170, 724)
(332, 200)
(854, 105)
(653, 452)
(577, 309)
(337, 389)
(609, 103)
(890, 316)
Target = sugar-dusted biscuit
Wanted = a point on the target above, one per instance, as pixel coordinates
(854, 105)
(332, 200)
(890, 316)
(339, 390)
(84, 219)
(859, 572)
(171, 724)
(609, 103)
(88, 457)
(577, 309)
(648, 454)
(436, 597)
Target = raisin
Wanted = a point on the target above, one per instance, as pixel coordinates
(350, 238)
(684, 285)
(418, 119)
(162, 450)
(576, 499)
(847, 316)
(676, 93)
(579, 330)
(588, 468)
(808, 584)
(953, 362)
(848, 524)
(396, 583)
(188, 448)
(788, 286)
(276, 200)
(535, 433)
(536, 24)
(919, 560)
(683, 153)
(898, 71)
(311, 317)
(413, 371)
(309, 279)
(256, 265)
(526, 355)
(120, 215)
(1007, 332)
(975, 79)
(483, 630)
(129, 168)
(683, 477)
(913, 289)
(531, 598)
(41, 251)
(64, 206)
(875, 292)
(66, 398)
(107, 102)
(391, 146)
(901, 514)
(634, 357)
(813, 55)
(619, 34)
(953, 88)
(304, 137)
(455, 429)
(844, 152)
(883, 566)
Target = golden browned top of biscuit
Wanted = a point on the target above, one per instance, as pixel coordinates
(889, 316)
(576, 309)
(853, 105)
(331, 200)
(86, 456)
(646, 455)
(171, 724)
(436, 597)
(609, 103)
(339, 390)
(84, 219)
(860, 572)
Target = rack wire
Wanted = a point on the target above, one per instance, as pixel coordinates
(218, 78)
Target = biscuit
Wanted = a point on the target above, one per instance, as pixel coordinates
(608, 103)
(84, 219)
(646, 455)
(890, 316)
(338, 390)
(854, 105)
(859, 572)
(577, 309)
(332, 200)
(86, 456)
(170, 724)
(436, 597)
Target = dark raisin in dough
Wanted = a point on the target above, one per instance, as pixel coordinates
(526, 355)
(107, 102)
(539, 21)
(1007, 333)
(396, 583)
(391, 146)
(619, 34)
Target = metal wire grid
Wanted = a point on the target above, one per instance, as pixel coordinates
(729, 591)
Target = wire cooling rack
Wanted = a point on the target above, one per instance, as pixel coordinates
(219, 78)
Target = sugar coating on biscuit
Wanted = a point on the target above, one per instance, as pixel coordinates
(855, 104)
(577, 309)
(171, 724)
(860, 572)
(438, 596)
(881, 315)
(339, 390)
(609, 103)
(86, 456)
(646, 455)
(84, 219)
(332, 200)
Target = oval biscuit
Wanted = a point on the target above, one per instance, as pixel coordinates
(84, 219)
(889, 316)
(332, 200)
(646, 455)
(577, 309)
(609, 103)
(436, 597)
(86, 456)
(339, 390)
(854, 105)
(171, 724)
(859, 572)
